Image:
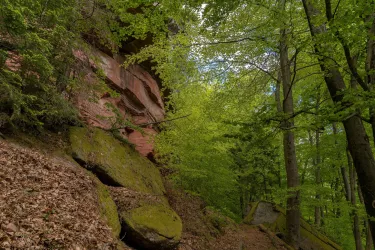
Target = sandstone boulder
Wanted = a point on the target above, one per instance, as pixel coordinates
(115, 163)
(274, 218)
(148, 220)
(108, 208)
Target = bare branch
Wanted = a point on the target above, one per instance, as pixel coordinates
(151, 123)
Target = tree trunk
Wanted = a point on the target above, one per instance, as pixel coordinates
(318, 178)
(344, 174)
(293, 200)
(370, 66)
(369, 242)
(358, 141)
(354, 214)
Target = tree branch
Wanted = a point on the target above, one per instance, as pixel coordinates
(89, 16)
(169, 120)
(152, 123)
(224, 42)
(337, 7)
(348, 56)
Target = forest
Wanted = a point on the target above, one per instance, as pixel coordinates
(265, 100)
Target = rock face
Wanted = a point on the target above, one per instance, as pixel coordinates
(274, 218)
(147, 220)
(114, 163)
(139, 101)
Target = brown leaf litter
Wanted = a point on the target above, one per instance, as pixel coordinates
(46, 204)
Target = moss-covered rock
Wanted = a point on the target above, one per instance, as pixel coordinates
(146, 218)
(276, 221)
(153, 226)
(250, 216)
(108, 208)
(107, 205)
(115, 163)
(148, 221)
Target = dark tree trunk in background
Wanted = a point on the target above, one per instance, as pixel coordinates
(293, 200)
(358, 141)
(370, 67)
(354, 214)
(318, 178)
(369, 242)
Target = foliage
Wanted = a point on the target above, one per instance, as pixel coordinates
(195, 147)
(33, 68)
(37, 41)
(230, 96)
(220, 66)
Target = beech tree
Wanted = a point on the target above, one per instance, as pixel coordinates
(358, 141)
(275, 98)
(274, 47)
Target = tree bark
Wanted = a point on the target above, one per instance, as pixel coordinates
(369, 242)
(293, 200)
(354, 214)
(318, 178)
(370, 67)
(344, 174)
(358, 141)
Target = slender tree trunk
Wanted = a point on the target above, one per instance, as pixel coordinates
(343, 172)
(354, 214)
(318, 178)
(293, 200)
(370, 67)
(358, 141)
(369, 242)
(305, 165)
(346, 183)
(279, 111)
(316, 165)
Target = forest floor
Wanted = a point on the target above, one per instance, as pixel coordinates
(203, 229)
(49, 203)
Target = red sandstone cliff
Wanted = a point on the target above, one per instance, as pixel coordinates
(139, 101)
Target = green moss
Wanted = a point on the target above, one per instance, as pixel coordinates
(108, 208)
(120, 162)
(308, 231)
(158, 219)
(249, 218)
(315, 238)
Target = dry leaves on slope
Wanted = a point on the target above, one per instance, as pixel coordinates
(47, 205)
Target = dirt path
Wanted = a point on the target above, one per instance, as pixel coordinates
(247, 238)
